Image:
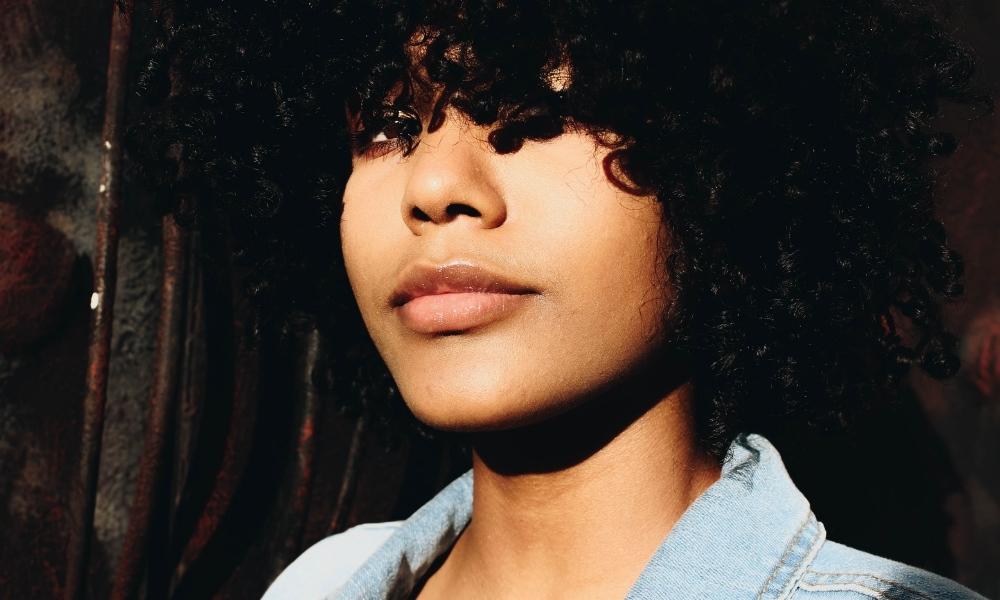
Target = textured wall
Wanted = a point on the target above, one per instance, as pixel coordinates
(52, 62)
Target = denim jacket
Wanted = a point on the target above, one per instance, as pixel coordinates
(750, 535)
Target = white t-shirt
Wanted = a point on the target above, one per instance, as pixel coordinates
(326, 565)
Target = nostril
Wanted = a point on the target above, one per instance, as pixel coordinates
(454, 210)
(419, 214)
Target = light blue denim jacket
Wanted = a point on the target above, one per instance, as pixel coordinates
(750, 535)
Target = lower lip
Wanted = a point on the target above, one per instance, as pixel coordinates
(455, 312)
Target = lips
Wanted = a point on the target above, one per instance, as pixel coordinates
(455, 297)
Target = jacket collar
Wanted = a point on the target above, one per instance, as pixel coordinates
(749, 535)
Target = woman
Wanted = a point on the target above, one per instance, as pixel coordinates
(611, 244)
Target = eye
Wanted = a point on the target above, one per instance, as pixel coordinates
(382, 132)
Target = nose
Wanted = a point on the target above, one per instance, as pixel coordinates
(451, 180)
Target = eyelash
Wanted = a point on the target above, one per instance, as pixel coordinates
(402, 123)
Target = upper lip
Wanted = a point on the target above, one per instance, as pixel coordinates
(421, 279)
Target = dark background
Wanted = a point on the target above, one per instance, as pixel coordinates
(257, 463)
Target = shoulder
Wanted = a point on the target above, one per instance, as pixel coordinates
(842, 573)
(328, 563)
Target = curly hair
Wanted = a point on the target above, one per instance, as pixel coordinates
(790, 144)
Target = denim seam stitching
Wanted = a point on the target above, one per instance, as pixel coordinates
(889, 582)
(790, 550)
(847, 587)
(817, 543)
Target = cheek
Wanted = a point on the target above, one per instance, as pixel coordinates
(606, 253)
(608, 246)
(352, 237)
(363, 236)
(620, 292)
(611, 257)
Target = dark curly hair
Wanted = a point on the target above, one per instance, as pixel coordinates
(789, 143)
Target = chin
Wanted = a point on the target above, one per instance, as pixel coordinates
(468, 410)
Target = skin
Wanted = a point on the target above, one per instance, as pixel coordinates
(571, 400)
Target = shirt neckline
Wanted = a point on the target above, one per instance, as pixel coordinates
(752, 530)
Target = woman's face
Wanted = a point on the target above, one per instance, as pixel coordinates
(502, 289)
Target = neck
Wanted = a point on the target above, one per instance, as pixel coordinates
(576, 506)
